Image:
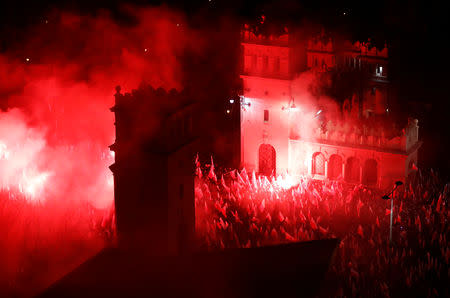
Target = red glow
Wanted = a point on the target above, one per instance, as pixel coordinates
(56, 190)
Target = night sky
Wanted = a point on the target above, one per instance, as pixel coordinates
(415, 30)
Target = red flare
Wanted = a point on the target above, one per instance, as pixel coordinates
(388, 211)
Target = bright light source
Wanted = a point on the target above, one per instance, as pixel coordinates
(245, 101)
(231, 100)
(145, 50)
(318, 112)
(27, 59)
(228, 111)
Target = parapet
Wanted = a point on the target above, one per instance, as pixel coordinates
(367, 137)
(366, 49)
(248, 36)
(161, 119)
(320, 46)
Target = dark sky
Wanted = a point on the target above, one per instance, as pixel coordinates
(416, 31)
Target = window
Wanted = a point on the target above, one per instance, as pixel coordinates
(379, 70)
(266, 116)
(318, 164)
(335, 167)
(277, 64)
(265, 63)
(267, 160)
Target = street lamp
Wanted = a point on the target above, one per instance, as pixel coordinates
(388, 197)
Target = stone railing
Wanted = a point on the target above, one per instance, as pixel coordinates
(339, 135)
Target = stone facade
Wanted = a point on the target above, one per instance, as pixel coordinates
(346, 150)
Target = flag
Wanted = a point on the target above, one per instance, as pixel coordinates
(360, 231)
(211, 174)
(438, 204)
(198, 170)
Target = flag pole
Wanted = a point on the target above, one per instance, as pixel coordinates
(390, 225)
(390, 196)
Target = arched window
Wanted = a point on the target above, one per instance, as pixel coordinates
(335, 167)
(352, 170)
(318, 164)
(370, 172)
(267, 160)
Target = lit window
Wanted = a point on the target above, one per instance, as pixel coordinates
(266, 116)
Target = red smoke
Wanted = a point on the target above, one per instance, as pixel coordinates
(56, 88)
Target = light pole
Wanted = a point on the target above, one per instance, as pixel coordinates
(388, 197)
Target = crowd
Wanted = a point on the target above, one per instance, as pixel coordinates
(42, 241)
(241, 210)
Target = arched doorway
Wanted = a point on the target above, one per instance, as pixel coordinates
(267, 160)
(352, 170)
(370, 172)
(318, 164)
(335, 167)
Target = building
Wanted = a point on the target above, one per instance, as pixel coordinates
(154, 170)
(359, 146)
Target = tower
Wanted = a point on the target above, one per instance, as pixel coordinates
(266, 76)
(153, 170)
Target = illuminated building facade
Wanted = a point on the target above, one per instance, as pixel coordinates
(361, 147)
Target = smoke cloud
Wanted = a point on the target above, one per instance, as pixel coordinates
(56, 88)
